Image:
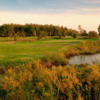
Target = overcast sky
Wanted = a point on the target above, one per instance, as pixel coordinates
(69, 13)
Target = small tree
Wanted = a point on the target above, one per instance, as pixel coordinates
(80, 29)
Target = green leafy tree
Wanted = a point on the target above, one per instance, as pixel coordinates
(30, 30)
(64, 32)
(84, 33)
(10, 30)
(99, 29)
(40, 34)
(4, 32)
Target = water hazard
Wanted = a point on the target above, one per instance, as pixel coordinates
(84, 59)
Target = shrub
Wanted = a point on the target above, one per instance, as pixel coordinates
(56, 58)
(74, 35)
(93, 34)
(70, 51)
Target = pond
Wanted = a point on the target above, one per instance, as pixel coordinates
(78, 59)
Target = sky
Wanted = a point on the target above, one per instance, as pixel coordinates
(69, 13)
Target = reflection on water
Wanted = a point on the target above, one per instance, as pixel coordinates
(84, 59)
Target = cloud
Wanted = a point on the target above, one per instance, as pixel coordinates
(22, 1)
(70, 20)
(77, 10)
(51, 6)
(92, 2)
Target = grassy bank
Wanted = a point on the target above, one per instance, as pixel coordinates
(61, 57)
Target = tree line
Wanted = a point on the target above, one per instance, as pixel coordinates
(14, 30)
(9, 30)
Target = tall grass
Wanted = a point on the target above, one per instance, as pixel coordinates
(55, 58)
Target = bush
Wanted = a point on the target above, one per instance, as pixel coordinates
(74, 35)
(56, 58)
(93, 34)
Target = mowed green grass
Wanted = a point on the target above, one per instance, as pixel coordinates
(23, 51)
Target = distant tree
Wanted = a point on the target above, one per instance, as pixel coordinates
(51, 30)
(60, 35)
(10, 30)
(99, 29)
(47, 28)
(23, 34)
(36, 28)
(50, 33)
(57, 30)
(74, 35)
(71, 32)
(34, 33)
(46, 34)
(80, 29)
(64, 32)
(30, 30)
(15, 37)
(84, 33)
(16, 32)
(4, 32)
(92, 34)
(39, 35)
(21, 31)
